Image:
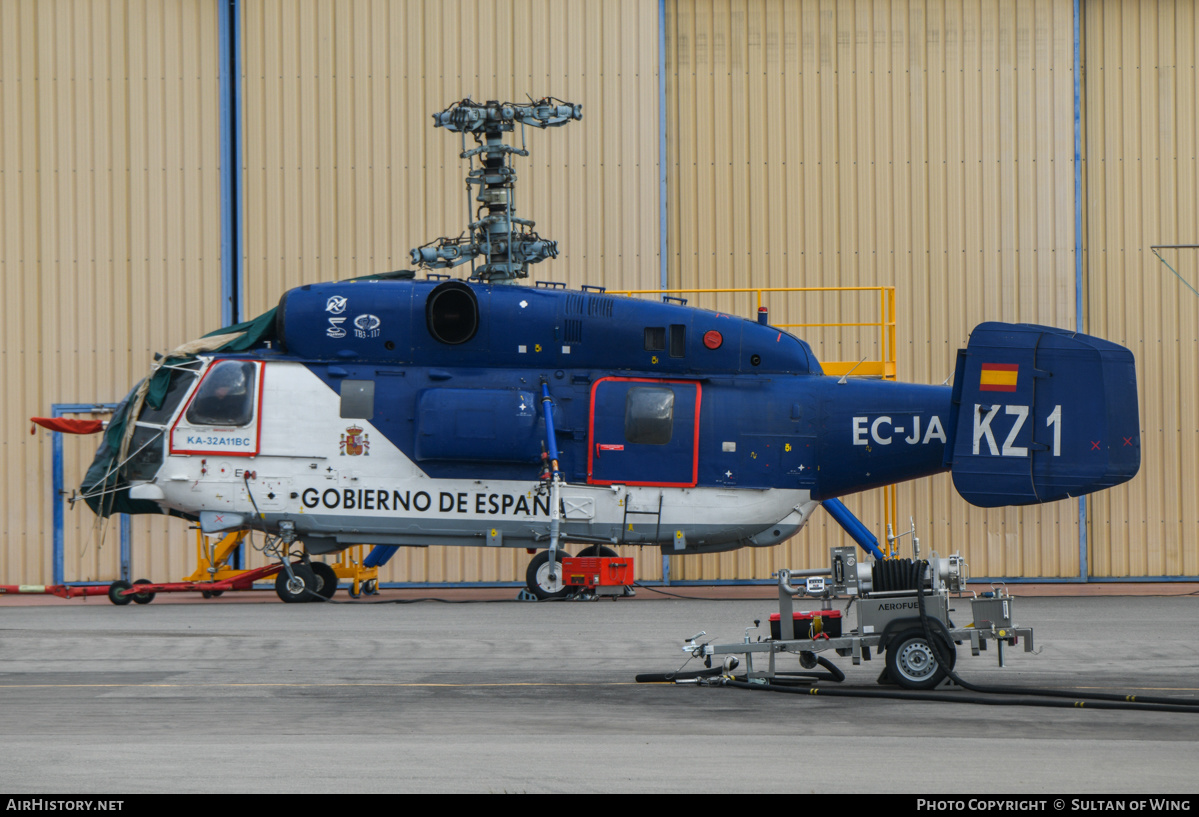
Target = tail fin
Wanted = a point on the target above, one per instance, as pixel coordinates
(1041, 414)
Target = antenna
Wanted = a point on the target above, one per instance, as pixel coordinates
(507, 243)
(845, 376)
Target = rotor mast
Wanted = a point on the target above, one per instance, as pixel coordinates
(507, 244)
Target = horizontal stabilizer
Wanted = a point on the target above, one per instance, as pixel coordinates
(1041, 414)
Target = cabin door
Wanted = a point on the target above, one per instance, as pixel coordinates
(644, 431)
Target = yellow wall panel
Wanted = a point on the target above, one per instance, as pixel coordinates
(109, 244)
(924, 145)
(344, 172)
(1142, 189)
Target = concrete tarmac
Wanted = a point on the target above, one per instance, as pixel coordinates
(491, 695)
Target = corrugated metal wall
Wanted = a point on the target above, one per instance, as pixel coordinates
(926, 145)
(1142, 189)
(345, 172)
(109, 242)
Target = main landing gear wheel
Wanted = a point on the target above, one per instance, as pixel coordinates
(326, 580)
(142, 598)
(537, 577)
(298, 589)
(114, 593)
(912, 662)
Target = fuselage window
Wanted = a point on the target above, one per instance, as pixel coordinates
(649, 415)
(225, 396)
(358, 399)
(678, 339)
(655, 338)
(145, 453)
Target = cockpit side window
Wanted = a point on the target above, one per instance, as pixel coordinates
(649, 415)
(225, 396)
(181, 381)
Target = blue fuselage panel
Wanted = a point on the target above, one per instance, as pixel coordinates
(746, 431)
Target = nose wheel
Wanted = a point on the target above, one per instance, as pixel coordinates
(298, 586)
(326, 580)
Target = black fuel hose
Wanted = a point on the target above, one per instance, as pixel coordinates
(1095, 700)
(834, 674)
(953, 698)
(668, 677)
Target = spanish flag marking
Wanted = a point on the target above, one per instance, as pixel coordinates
(998, 377)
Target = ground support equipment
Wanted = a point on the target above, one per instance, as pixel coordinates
(351, 566)
(143, 591)
(63, 591)
(903, 609)
(596, 576)
(213, 560)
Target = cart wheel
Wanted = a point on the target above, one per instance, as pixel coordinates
(537, 577)
(114, 591)
(370, 587)
(143, 598)
(300, 588)
(212, 594)
(326, 580)
(598, 550)
(354, 595)
(912, 661)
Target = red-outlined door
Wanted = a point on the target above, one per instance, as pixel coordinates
(644, 431)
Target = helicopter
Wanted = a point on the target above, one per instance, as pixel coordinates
(397, 411)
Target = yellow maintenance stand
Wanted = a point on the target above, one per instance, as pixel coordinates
(213, 565)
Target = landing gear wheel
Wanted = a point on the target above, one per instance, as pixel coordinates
(300, 588)
(143, 598)
(537, 577)
(912, 662)
(598, 550)
(114, 591)
(326, 580)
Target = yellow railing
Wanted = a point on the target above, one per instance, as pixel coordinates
(882, 367)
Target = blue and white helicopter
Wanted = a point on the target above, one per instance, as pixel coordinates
(394, 411)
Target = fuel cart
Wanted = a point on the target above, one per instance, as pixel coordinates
(903, 610)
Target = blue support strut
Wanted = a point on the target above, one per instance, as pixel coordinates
(853, 526)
